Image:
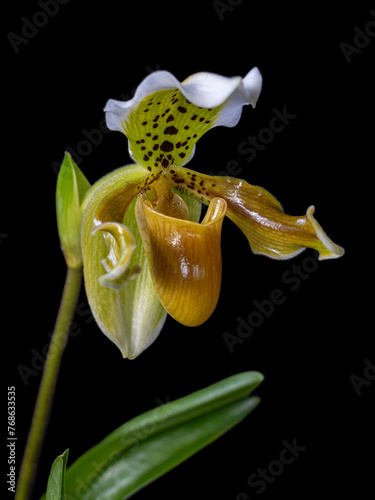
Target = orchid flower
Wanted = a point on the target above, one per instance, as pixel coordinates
(145, 253)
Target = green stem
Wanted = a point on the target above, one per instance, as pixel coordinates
(43, 403)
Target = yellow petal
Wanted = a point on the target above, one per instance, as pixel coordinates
(260, 216)
(185, 260)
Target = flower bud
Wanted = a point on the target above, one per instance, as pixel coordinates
(71, 188)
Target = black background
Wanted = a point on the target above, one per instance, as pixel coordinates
(55, 88)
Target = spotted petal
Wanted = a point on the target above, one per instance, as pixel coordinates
(184, 259)
(260, 216)
(165, 118)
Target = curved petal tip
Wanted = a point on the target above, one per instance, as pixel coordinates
(329, 249)
(121, 245)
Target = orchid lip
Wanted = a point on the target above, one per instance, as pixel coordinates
(184, 259)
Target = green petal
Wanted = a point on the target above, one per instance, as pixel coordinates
(164, 128)
(71, 188)
(133, 316)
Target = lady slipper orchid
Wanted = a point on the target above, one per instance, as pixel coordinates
(145, 252)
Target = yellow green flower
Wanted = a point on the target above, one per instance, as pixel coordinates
(145, 253)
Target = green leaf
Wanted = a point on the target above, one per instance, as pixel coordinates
(71, 188)
(151, 444)
(56, 480)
